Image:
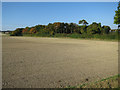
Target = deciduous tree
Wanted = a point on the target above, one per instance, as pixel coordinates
(117, 16)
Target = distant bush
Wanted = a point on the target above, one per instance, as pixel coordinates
(17, 32)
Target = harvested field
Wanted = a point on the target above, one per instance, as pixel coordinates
(31, 62)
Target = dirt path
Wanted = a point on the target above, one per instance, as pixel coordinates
(30, 62)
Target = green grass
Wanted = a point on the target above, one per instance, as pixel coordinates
(108, 37)
(110, 82)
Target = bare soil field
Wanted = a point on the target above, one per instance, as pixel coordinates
(31, 62)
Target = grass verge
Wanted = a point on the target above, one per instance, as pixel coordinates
(105, 37)
(110, 82)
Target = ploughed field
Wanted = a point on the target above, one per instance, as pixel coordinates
(31, 62)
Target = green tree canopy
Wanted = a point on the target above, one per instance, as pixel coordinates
(105, 29)
(17, 32)
(94, 28)
(84, 22)
(117, 16)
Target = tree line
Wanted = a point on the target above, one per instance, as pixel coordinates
(63, 28)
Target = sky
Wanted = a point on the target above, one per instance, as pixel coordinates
(23, 14)
(60, 0)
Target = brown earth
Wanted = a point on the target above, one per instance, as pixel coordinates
(31, 62)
